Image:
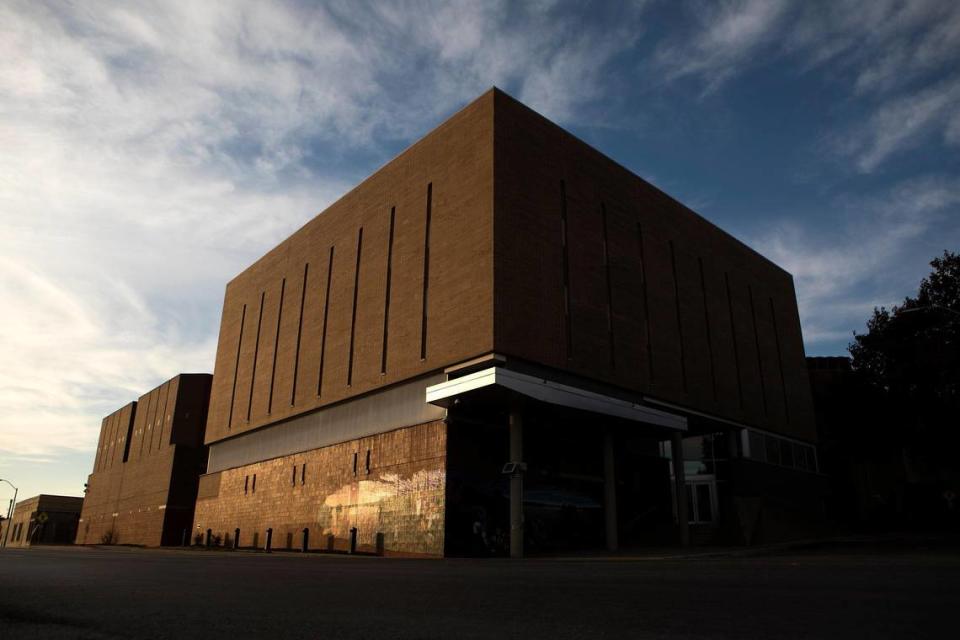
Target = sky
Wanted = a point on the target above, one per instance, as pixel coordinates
(151, 151)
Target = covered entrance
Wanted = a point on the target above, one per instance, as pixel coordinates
(540, 466)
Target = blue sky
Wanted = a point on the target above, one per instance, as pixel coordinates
(149, 153)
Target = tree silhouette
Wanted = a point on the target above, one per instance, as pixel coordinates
(910, 355)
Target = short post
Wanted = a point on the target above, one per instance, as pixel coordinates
(236, 538)
(269, 540)
(380, 543)
(306, 540)
(209, 537)
(353, 539)
(183, 540)
(331, 542)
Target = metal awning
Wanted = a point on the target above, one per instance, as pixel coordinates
(551, 392)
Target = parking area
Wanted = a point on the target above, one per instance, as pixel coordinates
(839, 591)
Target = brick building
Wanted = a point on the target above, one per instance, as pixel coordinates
(42, 519)
(148, 461)
(503, 293)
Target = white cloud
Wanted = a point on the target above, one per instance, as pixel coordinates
(724, 39)
(876, 252)
(149, 153)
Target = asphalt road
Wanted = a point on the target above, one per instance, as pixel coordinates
(851, 592)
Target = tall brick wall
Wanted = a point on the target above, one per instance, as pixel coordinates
(636, 290)
(312, 323)
(402, 495)
(137, 487)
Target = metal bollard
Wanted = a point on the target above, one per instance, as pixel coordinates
(236, 538)
(269, 540)
(209, 537)
(306, 540)
(353, 539)
(183, 541)
(380, 543)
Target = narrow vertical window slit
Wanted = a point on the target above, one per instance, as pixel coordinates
(276, 344)
(733, 338)
(783, 380)
(756, 340)
(676, 298)
(646, 302)
(236, 367)
(256, 351)
(326, 316)
(296, 355)
(606, 268)
(353, 317)
(386, 300)
(706, 324)
(426, 273)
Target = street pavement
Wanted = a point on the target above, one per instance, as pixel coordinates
(841, 591)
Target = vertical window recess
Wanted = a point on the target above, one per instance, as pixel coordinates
(353, 316)
(756, 340)
(676, 298)
(733, 337)
(606, 269)
(646, 302)
(296, 355)
(426, 273)
(276, 344)
(706, 324)
(386, 300)
(783, 380)
(326, 316)
(236, 367)
(256, 351)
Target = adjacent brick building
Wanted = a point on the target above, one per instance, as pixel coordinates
(42, 519)
(503, 293)
(149, 458)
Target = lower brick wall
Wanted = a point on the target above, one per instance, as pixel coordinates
(401, 496)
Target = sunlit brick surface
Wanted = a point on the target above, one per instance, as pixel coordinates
(401, 497)
(149, 498)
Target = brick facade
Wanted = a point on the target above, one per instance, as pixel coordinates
(500, 233)
(143, 486)
(400, 494)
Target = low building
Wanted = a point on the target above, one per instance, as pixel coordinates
(149, 457)
(43, 519)
(503, 341)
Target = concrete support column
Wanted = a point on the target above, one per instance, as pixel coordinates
(610, 492)
(516, 483)
(680, 488)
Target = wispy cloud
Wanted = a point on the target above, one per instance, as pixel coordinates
(868, 257)
(151, 152)
(722, 41)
